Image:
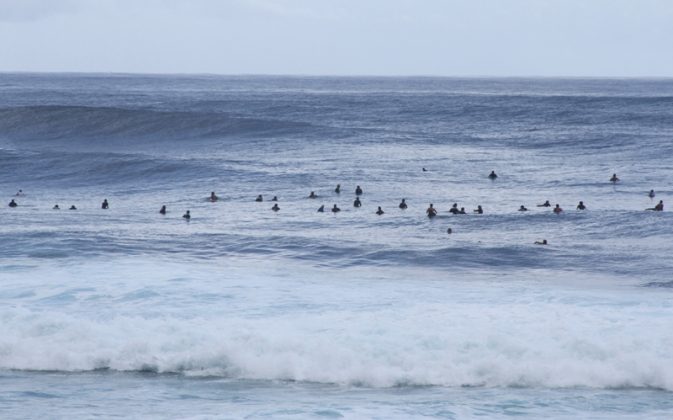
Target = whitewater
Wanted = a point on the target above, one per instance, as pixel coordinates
(246, 312)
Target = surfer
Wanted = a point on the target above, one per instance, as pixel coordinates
(454, 209)
(19, 193)
(72, 207)
(357, 202)
(492, 175)
(335, 209)
(542, 242)
(338, 189)
(312, 195)
(449, 231)
(56, 207)
(187, 216)
(274, 198)
(358, 190)
(651, 194)
(379, 211)
(403, 204)
(321, 209)
(558, 209)
(425, 170)
(523, 208)
(162, 210)
(105, 205)
(479, 210)
(581, 206)
(614, 179)
(213, 198)
(259, 198)
(462, 211)
(545, 204)
(658, 207)
(275, 207)
(431, 211)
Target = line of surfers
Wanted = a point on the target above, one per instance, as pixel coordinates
(431, 211)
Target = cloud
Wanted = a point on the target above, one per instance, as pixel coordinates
(447, 37)
(31, 10)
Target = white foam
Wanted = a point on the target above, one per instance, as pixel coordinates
(364, 331)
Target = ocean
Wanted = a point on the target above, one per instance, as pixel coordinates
(243, 312)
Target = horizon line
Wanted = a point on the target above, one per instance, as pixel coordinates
(308, 75)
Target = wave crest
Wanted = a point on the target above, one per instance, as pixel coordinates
(61, 122)
(408, 347)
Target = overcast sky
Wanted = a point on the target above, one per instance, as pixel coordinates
(340, 37)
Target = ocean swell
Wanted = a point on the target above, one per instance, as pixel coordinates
(70, 123)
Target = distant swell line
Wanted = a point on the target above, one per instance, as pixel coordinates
(82, 122)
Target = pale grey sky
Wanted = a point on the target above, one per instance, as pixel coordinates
(340, 37)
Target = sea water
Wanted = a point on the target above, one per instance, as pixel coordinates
(246, 312)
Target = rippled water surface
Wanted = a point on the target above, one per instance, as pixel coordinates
(246, 312)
